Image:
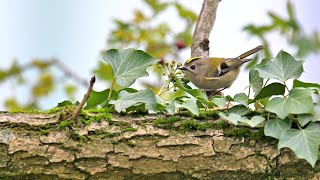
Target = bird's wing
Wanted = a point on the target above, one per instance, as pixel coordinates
(230, 64)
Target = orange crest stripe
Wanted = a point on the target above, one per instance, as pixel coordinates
(191, 59)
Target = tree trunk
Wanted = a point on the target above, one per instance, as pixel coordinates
(133, 147)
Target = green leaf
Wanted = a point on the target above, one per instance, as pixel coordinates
(254, 121)
(304, 119)
(241, 98)
(64, 103)
(299, 101)
(270, 90)
(128, 65)
(219, 101)
(297, 83)
(256, 82)
(282, 68)
(275, 127)
(193, 92)
(238, 109)
(126, 100)
(233, 118)
(187, 103)
(97, 98)
(303, 142)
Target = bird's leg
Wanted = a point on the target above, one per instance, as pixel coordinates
(212, 93)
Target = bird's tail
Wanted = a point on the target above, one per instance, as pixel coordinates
(252, 51)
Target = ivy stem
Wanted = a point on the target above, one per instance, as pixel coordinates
(286, 86)
(266, 82)
(111, 88)
(161, 91)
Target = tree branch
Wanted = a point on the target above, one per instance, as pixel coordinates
(207, 16)
(84, 99)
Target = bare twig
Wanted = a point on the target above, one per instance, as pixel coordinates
(207, 16)
(84, 99)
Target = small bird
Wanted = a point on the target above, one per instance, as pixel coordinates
(215, 73)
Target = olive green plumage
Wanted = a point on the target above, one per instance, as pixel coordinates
(215, 73)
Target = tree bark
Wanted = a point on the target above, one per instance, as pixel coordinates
(128, 147)
(206, 18)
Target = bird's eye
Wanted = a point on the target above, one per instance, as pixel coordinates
(193, 67)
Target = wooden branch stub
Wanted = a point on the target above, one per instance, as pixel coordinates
(84, 99)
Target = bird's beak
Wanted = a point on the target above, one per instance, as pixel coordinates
(182, 68)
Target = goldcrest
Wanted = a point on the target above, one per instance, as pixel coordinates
(215, 73)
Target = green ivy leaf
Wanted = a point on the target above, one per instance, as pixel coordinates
(270, 90)
(193, 92)
(256, 82)
(303, 142)
(241, 98)
(315, 86)
(188, 103)
(98, 98)
(282, 68)
(254, 121)
(304, 119)
(238, 109)
(64, 103)
(299, 101)
(128, 65)
(275, 127)
(127, 99)
(233, 118)
(219, 101)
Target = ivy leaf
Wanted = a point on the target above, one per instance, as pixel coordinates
(127, 99)
(254, 121)
(304, 119)
(282, 68)
(183, 102)
(98, 98)
(303, 142)
(187, 103)
(238, 109)
(270, 90)
(128, 65)
(315, 86)
(241, 98)
(256, 82)
(64, 103)
(275, 127)
(193, 92)
(233, 118)
(219, 101)
(299, 101)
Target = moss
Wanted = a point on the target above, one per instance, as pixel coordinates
(212, 114)
(131, 143)
(220, 124)
(245, 132)
(114, 142)
(44, 132)
(129, 129)
(97, 110)
(80, 138)
(65, 123)
(32, 111)
(168, 120)
(96, 118)
(194, 125)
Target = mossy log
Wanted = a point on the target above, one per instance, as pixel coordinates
(44, 146)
